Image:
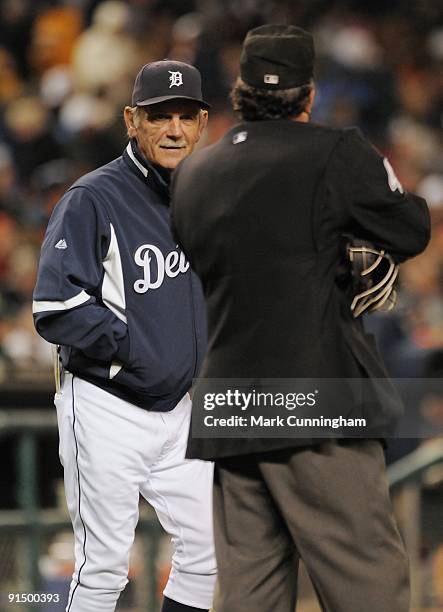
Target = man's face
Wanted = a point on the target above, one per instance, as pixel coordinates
(168, 132)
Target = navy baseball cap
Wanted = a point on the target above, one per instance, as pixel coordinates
(277, 56)
(167, 80)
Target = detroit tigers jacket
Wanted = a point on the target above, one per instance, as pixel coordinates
(115, 291)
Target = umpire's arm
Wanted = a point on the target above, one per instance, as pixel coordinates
(377, 208)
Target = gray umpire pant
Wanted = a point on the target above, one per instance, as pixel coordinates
(328, 505)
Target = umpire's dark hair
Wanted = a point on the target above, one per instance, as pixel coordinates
(254, 104)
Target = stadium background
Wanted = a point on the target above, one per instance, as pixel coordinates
(66, 71)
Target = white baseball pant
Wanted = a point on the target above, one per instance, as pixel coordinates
(111, 452)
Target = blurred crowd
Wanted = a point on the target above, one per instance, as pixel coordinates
(66, 72)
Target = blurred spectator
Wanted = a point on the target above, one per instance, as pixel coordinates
(49, 182)
(53, 35)
(11, 86)
(105, 56)
(185, 37)
(11, 201)
(28, 130)
(8, 230)
(55, 86)
(91, 130)
(16, 19)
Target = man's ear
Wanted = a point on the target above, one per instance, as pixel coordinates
(203, 121)
(310, 100)
(128, 115)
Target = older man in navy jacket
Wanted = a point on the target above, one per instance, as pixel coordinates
(116, 295)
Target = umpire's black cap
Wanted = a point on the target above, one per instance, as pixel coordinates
(277, 57)
(166, 80)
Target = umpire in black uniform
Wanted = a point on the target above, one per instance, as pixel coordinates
(260, 216)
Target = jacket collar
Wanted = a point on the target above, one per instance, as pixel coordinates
(130, 150)
(145, 170)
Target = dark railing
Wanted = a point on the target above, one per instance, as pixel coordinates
(406, 478)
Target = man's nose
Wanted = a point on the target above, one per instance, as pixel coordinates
(175, 129)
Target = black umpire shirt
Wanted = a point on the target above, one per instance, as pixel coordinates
(260, 217)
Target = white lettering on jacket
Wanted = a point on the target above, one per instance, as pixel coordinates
(173, 264)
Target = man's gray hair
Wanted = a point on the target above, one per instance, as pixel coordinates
(137, 115)
(253, 104)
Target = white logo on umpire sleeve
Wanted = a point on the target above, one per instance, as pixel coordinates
(393, 181)
(239, 137)
(61, 244)
(172, 265)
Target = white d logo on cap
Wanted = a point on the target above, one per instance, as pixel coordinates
(176, 78)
